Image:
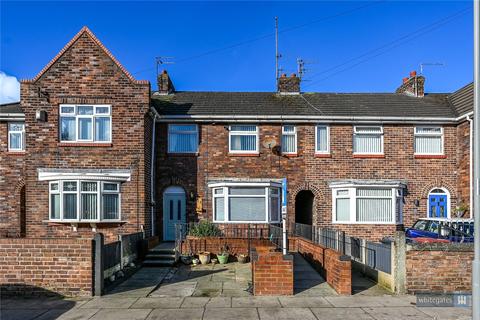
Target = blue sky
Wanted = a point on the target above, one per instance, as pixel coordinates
(353, 46)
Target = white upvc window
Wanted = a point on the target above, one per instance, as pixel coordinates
(322, 139)
(246, 204)
(85, 123)
(367, 205)
(16, 136)
(368, 140)
(289, 139)
(429, 140)
(182, 138)
(243, 139)
(84, 201)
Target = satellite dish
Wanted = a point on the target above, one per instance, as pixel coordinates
(269, 143)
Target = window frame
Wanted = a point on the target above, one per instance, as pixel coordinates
(267, 195)
(328, 139)
(197, 141)
(447, 194)
(356, 134)
(22, 136)
(77, 118)
(243, 133)
(396, 193)
(100, 191)
(290, 133)
(426, 134)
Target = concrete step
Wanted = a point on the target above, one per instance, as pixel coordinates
(158, 262)
(156, 256)
(161, 251)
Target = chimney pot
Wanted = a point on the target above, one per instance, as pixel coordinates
(284, 75)
(405, 80)
(413, 74)
(164, 83)
(293, 75)
(413, 86)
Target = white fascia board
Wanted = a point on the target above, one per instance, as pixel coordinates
(104, 176)
(244, 184)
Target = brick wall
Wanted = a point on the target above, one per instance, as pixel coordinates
(308, 172)
(213, 245)
(336, 269)
(463, 141)
(439, 268)
(272, 273)
(40, 266)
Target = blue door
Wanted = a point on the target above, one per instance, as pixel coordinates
(438, 206)
(174, 203)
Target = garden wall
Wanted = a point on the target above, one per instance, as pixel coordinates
(272, 272)
(46, 266)
(214, 244)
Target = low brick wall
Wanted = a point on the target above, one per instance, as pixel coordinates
(46, 266)
(335, 268)
(439, 268)
(213, 244)
(272, 273)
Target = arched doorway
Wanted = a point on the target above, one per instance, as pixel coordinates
(439, 203)
(174, 211)
(304, 207)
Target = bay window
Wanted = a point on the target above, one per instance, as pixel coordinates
(182, 138)
(90, 201)
(85, 123)
(289, 139)
(16, 136)
(368, 140)
(243, 139)
(428, 140)
(246, 204)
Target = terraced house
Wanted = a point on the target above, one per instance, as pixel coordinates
(89, 149)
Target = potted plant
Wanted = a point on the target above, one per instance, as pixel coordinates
(186, 258)
(242, 258)
(203, 229)
(195, 261)
(461, 209)
(223, 255)
(204, 257)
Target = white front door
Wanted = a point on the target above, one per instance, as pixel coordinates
(174, 203)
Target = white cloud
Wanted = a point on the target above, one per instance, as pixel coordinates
(9, 88)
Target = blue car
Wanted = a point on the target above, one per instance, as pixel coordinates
(454, 230)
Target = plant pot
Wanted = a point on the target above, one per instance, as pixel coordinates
(204, 257)
(222, 258)
(186, 259)
(195, 261)
(242, 258)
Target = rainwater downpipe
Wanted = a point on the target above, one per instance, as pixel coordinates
(152, 178)
(470, 120)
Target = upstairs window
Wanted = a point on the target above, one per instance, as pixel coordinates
(243, 139)
(289, 139)
(322, 139)
(16, 136)
(368, 140)
(85, 123)
(429, 140)
(182, 138)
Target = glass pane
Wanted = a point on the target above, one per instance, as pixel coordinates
(343, 209)
(89, 186)
(67, 127)
(70, 186)
(374, 192)
(274, 190)
(171, 209)
(182, 142)
(429, 130)
(218, 191)
(247, 191)
(89, 206)
(288, 128)
(15, 140)
(55, 206)
(54, 186)
(179, 210)
(102, 110)
(243, 143)
(288, 143)
(342, 193)
(367, 144)
(85, 110)
(274, 209)
(110, 206)
(70, 206)
(374, 210)
(247, 209)
(70, 110)
(182, 127)
(219, 209)
(85, 128)
(102, 129)
(428, 145)
(16, 126)
(368, 129)
(110, 187)
(243, 128)
(322, 139)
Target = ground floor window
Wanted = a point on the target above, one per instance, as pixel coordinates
(77, 200)
(367, 204)
(246, 204)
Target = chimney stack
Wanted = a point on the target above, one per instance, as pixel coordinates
(165, 85)
(288, 85)
(413, 86)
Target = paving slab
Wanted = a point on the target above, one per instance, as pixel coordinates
(230, 313)
(304, 302)
(157, 303)
(286, 314)
(395, 313)
(219, 302)
(73, 314)
(21, 314)
(195, 302)
(130, 292)
(110, 303)
(254, 302)
(127, 314)
(177, 314)
(341, 314)
(206, 293)
(355, 301)
(235, 293)
(446, 313)
(179, 289)
(210, 285)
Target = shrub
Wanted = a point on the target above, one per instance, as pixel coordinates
(204, 228)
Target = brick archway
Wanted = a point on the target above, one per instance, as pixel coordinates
(20, 196)
(317, 199)
(438, 183)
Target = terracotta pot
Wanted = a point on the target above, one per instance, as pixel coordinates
(204, 257)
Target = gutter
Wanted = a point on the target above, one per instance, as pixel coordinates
(12, 117)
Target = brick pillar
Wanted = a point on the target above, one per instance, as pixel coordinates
(272, 273)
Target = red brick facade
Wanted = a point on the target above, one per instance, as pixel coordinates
(272, 273)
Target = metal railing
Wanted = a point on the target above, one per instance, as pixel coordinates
(376, 255)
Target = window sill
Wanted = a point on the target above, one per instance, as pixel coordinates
(84, 144)
(430, 156)
(233, 154)
(290, 155)
(83, 223)
(369, 156)
(365, 223)
(322, 155)
(179, 154)
(16, 153)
